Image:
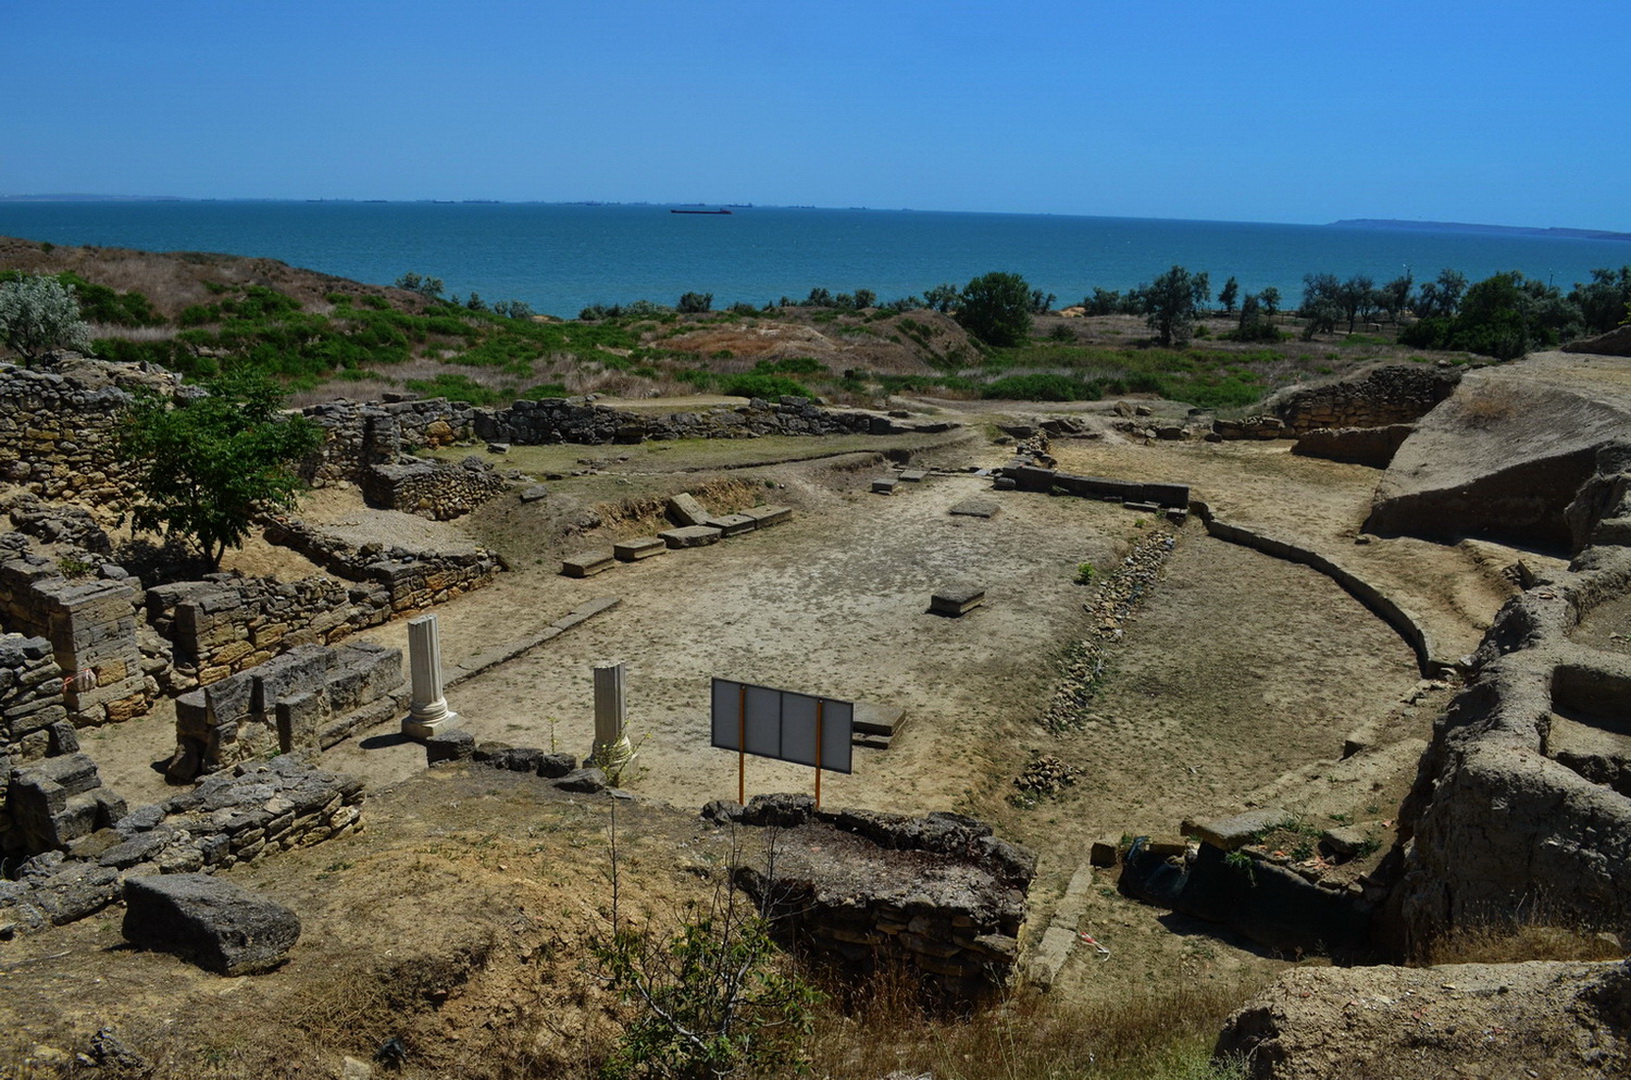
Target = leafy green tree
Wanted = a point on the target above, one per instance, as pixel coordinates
(996, 308)
(1394, 297)
(205, 465)
(1357, 297)
(1102, 302)
(865, 298)
(1228, 294)
(1322, 304)
(942, 297)
(1256, 321)
(819, 297)
(695, 303)
(1503, 316)
(1441, 299)
(1604, 300)
(39, 314)
(428, 287)
(1270, 299)
(1171, 303)
(1041, 303)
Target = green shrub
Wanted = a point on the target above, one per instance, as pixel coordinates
(1041, 387)
(759, 385)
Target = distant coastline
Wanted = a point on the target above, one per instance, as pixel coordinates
(1497, 230)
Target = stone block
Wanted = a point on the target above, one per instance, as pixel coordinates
(684, 510)
(884, 485)
(583, 781)
(217, 925)
(587, 563)
(230, 699)
(301, 670)
(873, 718)
(1235, 832)
(642, 547)
(454, 745)
(734, 524)
(1032, 478)
(298, 718)
(769, 515)
(1103, 852)
(1175, 496)
(555, 766)
(914, 476)
(975, 507)
(956, 600)
(691, 536)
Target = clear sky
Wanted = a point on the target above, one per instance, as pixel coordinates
(1496, 111)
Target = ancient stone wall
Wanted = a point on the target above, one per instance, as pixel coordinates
(56, 435)
(440, 490)
(410, 579)
(237, 816)
(309, 698)
(857, 889)
(91, 624)
(362, 436)
(1390, 394)
(50, 793)
(229, 623)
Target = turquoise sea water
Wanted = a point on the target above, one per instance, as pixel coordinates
(560, 258)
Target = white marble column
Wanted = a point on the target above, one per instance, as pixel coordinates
(612, 750)
(428, 712)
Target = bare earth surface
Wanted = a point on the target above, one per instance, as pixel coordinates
(1235, 682)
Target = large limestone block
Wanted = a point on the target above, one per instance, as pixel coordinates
(217, 925)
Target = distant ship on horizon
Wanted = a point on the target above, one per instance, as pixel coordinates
(720, 211)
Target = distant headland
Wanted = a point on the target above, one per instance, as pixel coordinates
(1502, 230)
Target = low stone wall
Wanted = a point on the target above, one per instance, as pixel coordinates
(410, 579)
(50, 793)
(239, 816)
(228, 623)
(91, 624)
(1389, 394)
(309, 698)
(857, 889)
(1029, 477)
(1373, 446)
(439, 490)
(362, 436)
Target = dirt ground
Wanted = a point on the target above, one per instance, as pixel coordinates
(1235, 683)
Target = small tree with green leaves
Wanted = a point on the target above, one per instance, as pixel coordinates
(996, 308)
(1171, 303)
(428, 287)
(711, 994)
(696, 303)
(1228, 295)
(205, 465)
(39, 314)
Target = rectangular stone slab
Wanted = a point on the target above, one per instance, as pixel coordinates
(1235, 832)
(974, 506)
(734, 524)
(691, 536)
(587, 563)
(914, 476)
(957, 599)
(884, 485)
(873, 718)
(684, 510)
(769, 515)
(641, 547)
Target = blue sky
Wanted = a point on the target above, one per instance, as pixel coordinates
(1499, 112)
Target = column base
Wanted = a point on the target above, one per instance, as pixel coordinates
(612, 758)
(421, 729)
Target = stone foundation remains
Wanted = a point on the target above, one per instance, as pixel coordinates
(940, 895)
(439, 490)
(309, 698)
(91, 624)
(1377, 397)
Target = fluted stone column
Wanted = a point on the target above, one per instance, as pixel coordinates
(428, 713)
(612, 750)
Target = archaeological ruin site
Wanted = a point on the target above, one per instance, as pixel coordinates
(1274, 710)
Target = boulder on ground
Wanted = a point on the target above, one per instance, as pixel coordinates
(217, 925)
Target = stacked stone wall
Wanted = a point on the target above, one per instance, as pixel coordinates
(52, 793)
(411, 580)
(1391, 394)
(862, 890)
(439, 490)
(234, 817)
(307, 699)
(91, 624)
(228, 623)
